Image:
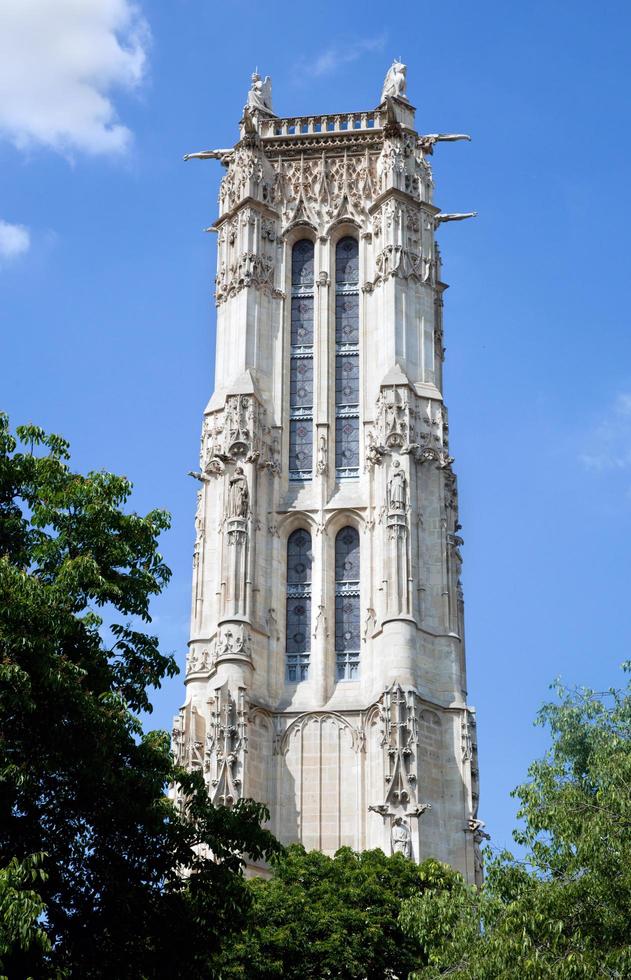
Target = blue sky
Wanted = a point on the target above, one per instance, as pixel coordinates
(106, 286)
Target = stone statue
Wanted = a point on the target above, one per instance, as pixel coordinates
(238, 495)
(320, 623)
(272, 625)
(260, 94)
(397, 493)
(395, 82)
(199, 518)
(321, 465)
(370, 623)
(400, 838)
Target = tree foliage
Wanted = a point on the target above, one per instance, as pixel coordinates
(92, 848)
(324, 917)
(564, 911)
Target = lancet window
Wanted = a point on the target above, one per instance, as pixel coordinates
(347, 358)
(298, 644)
(347, 628)
(301, 362)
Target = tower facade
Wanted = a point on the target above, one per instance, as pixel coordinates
(326, 668)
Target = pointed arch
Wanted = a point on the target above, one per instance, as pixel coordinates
(347, 357)
(347, 615)
(301, 361)
(298, 605)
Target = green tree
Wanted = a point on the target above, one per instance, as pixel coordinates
(324, 917)
(563, 912)
(84, 814)
(20, 910)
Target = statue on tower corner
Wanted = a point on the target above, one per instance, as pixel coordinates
(400, 838)
(238, 495)
(260, 94)
(395, 82)
(396, 489)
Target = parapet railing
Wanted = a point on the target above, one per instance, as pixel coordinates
(335, 123)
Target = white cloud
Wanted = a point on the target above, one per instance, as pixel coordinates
(336, 55)
(608, 444)
(60, 60)
(14, 240)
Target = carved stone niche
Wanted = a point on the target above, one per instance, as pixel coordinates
(393, 424)
(250, 174)
(238, 507)
(238, 432)
(397, 496)
(249, 269)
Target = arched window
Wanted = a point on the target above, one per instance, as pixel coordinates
(299, 561)
(347, 604)
(347, 358)
(301, 363)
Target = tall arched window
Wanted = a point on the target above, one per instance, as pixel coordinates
(347, 638)
(347, 358)
(301, 363)
(299, 561)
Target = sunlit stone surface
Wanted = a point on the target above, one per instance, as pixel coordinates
(326, 668)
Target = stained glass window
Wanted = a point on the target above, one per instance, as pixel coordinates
(301, 363)
(347, 626)
(347, 358)
(299, 560)
(347, 261)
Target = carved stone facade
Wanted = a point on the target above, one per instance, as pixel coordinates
(376, 746)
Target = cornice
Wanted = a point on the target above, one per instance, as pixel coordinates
(249, 201)
(405, 197)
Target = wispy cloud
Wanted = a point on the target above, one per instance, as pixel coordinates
(15, 240)
(330, 60)
(608, 444)
(61, 61)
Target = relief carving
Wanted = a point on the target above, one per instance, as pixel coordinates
(238, 431)
(226, 745)
(234, 642)
(201, 660)
(409, 425)
(400, 741)
(395, 260)
(249, 269)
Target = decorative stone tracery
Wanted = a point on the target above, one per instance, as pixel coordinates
(226, 744)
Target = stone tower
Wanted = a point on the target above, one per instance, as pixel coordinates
(326, 666)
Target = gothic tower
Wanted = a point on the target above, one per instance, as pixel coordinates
(326, 666)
